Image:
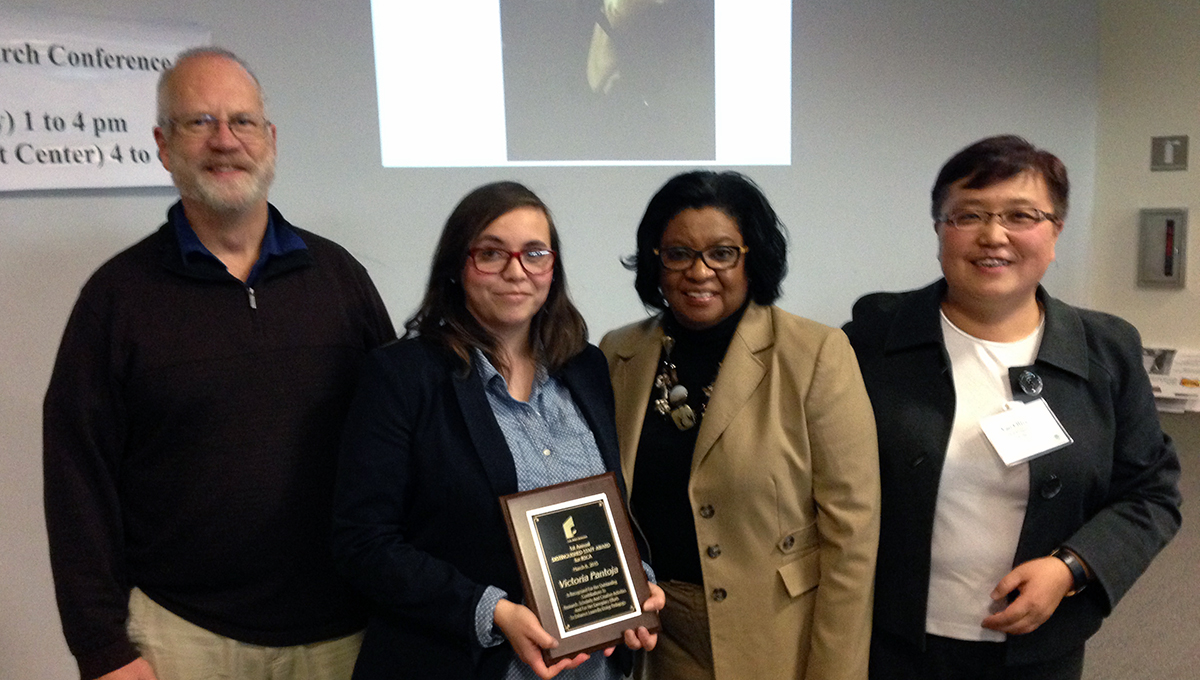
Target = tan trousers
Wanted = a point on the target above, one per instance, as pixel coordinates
(179, 650)
(684, 651)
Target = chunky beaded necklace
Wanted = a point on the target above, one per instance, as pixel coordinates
(673, 400)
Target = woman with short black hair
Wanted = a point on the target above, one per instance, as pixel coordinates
(748, 446)
(1026, 480)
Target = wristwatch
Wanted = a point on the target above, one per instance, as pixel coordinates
(1079, 574)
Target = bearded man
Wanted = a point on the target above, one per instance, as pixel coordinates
(193, 416)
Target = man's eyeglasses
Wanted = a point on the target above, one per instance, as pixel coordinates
(1013, 220)
(495, 260)
(717, 258)
(244, 126)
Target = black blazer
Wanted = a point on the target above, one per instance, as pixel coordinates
(1111, 496)
(417, 525)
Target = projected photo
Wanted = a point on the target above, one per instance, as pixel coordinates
(609, 79)
(583, 82)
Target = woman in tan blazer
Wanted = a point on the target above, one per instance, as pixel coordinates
(748, 448)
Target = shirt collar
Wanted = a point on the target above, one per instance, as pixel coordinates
(1064, 340)
(717, 335)
(917, 321)
(490, 375)
(276, 241)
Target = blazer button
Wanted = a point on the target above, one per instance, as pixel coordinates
(789, 542)
(917, 461)
(714, 551)
(1051, 488)
(707, 511)
(718, 594)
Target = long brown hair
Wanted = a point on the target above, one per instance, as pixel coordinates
(557, 332)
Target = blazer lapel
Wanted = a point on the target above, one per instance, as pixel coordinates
(740, 374)
(632, 378)
(485, 432)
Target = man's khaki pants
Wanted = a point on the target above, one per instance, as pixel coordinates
(179, 650)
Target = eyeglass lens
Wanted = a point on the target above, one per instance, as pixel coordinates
(1016, 219)
(243, 126)
(494, 260)
(679, 258)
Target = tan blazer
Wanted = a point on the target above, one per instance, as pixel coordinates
(785, 481)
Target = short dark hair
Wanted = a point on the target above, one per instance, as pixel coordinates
(733, 194)
(558, 331)
(996, 159)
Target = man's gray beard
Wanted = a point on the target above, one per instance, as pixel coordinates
(245, 193)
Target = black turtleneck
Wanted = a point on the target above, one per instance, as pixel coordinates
(664, 459)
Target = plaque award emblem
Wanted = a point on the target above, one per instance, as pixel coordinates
(579, 563)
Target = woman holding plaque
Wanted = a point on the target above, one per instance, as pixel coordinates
(1026, 482)
(748, 446)
(493, 390)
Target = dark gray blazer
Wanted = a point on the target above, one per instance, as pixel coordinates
(417, 525)
(1111, 496)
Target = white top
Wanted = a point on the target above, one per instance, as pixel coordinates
(981, 502)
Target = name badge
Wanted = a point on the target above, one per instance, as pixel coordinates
(1023, 431)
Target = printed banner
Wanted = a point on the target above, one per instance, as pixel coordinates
(77, 100)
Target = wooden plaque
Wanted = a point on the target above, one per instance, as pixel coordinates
(579, 563)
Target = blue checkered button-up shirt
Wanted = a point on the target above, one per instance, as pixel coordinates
(551, 443)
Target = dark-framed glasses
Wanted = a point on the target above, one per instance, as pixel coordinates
(495, 260)
(1017, 219)
(245, 126)
(717, 258)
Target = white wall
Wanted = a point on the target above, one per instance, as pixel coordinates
(1149, 86)
(884, 91)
